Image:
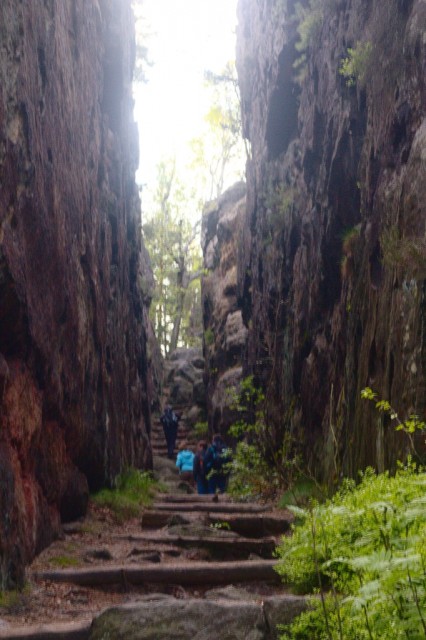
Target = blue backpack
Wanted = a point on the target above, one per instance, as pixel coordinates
(218, 458)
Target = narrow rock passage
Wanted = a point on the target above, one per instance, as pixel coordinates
(188, 560)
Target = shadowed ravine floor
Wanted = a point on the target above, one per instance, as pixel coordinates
(176, 573)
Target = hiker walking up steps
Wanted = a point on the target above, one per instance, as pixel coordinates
(170, 422)
(185, 463)
(215, 465)
(199, 468)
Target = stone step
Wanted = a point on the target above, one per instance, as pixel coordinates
(195, 498)
(184, 574)
(210, 507)
(54, 631)
(161, 442)
(237, 545)
(158, 432)
(256, 525)
(245, 524)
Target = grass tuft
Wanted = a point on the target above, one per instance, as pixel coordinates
(133, 490)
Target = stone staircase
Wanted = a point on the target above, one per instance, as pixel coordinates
(185, 434)
(188, 563)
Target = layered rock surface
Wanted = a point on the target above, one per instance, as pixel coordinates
(73, 368)
(332, 266)
(225, 334)
(183, 379)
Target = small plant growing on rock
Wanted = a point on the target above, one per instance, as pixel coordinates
(405, 253)
(349, 244)
(64, 562)
(14, 600)
(409, 426)
(279, 203)
(201, 430)
(221, 526)
(208, 337)
(310, 19)
(355, 67)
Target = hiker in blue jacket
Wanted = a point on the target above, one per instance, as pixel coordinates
(215, 463)
(185, 463)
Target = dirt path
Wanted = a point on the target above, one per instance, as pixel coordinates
(183, 545)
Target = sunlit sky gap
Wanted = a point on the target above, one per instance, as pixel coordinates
(186, 39)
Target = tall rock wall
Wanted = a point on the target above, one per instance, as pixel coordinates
(224, 332)
(332, 266)
(73, 372)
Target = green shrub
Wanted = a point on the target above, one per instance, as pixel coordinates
(201, 430)
(408, 254)
(350, 240)
(12, 600)
(303, 491)
(208, 337)
(251, 476)
(365, 549)
(260, 465)
(309, 19)
(356, 65)
(133, 490)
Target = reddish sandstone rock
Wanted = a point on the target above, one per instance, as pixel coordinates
(73, 370)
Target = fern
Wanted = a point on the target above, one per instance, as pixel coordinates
(367, 548)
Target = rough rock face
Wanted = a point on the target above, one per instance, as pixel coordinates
(224, 615)
(183, 380)
(73, 372)
(332, 267)
(224, 332)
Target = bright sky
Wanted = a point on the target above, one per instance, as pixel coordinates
(188, 37)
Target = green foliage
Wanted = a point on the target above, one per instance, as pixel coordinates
(221, 526)
(259, 466)
(309, 18)
(201, 430)
(10, 600)
(356, 65)
(64, 562)
(133, 490)
(301, 493)
(172, 241)
(349, 243)
(406, 253)
(365, 548)
(350, 240)
(250, 475)
(219, 153)
(209, 337)
(409, 426)
(279, 203)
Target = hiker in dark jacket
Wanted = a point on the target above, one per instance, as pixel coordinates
(170, 423)
(199, 469)
(215, 464)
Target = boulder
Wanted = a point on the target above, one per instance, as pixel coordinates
(183, 377)
(226, 614)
